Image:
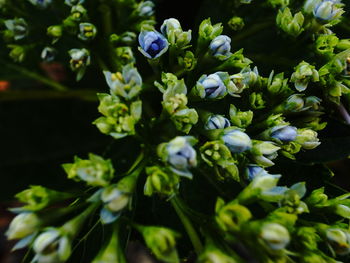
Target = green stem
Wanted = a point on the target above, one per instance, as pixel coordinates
(33, 75)
(191, 232)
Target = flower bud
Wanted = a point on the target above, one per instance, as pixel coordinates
(264, 152)
(152, 44)
(162, 242)
(325, 44)
(241, 119)
(115, 200)
(220, 47)
(184, 119)
(55, 31)
(145, 9)
(126, 84)
(48, 54)
(212, 86)
(292, 25)
(217, 122)
(236, 23)
(214, 255)
(80, 59)
(256, 100)
(274, 236)
(78, 12)
(327, 10)
(284, 133)
(95, 172)
(124, 55)
(308, 237)
(172, 30)
(41, 3)
(87, 31)
(128, 38)
(231, 216)
(159, 181)
(180, 155)
(169, 25)
(23, 225)
(294, 103)
(237, 141)
(52, 246)
(312, 102)
(339, 239)
(188, 62)
(277, 84)
(317, 198)
(208, 32)
(18, 28)
(303, 74)
(253, 171)
(17, 53)
(74, 2)
(307, 138)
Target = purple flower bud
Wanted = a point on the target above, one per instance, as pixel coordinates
(284, 133)
(152, 44)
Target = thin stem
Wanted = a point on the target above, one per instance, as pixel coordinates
(191, 232)
(33, 75)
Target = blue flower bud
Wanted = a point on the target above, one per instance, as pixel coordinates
(327, 10)
(145, 9)
(284, 133)
(87, 31)
(48, 54)
(73, 2)
(152, 44)
(41, 3)
(217, 122)
(253, 171)
(18, 28)
(237, 141)
(212, 86)
(220, 47)
(181, 155)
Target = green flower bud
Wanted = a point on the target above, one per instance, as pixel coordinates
(307, 238)
(339, 239)
(95, 171)
(124, 55)
(188, 62)
(231, 216)
(184, 119)
(78, 12)
(307, 138)
(256, 101)
(294, 103)
(292, 25)
(325, 44)
(38, 197)
(303, 74)
(161, 182)
(277, 84)
(87, 31)
(55, 31)
(119, 120)
(126, 84)
(172, 90)
(274, 236)
(237, 84)
(312, 102)
(278, 3)
(241, 119)
(23, 225)
(342, 210)
(128, 38)
(207, 32)
(343, 44)
(162, 242)
(317, 198)
(236, 23)
(17, 53)
(52, 246)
